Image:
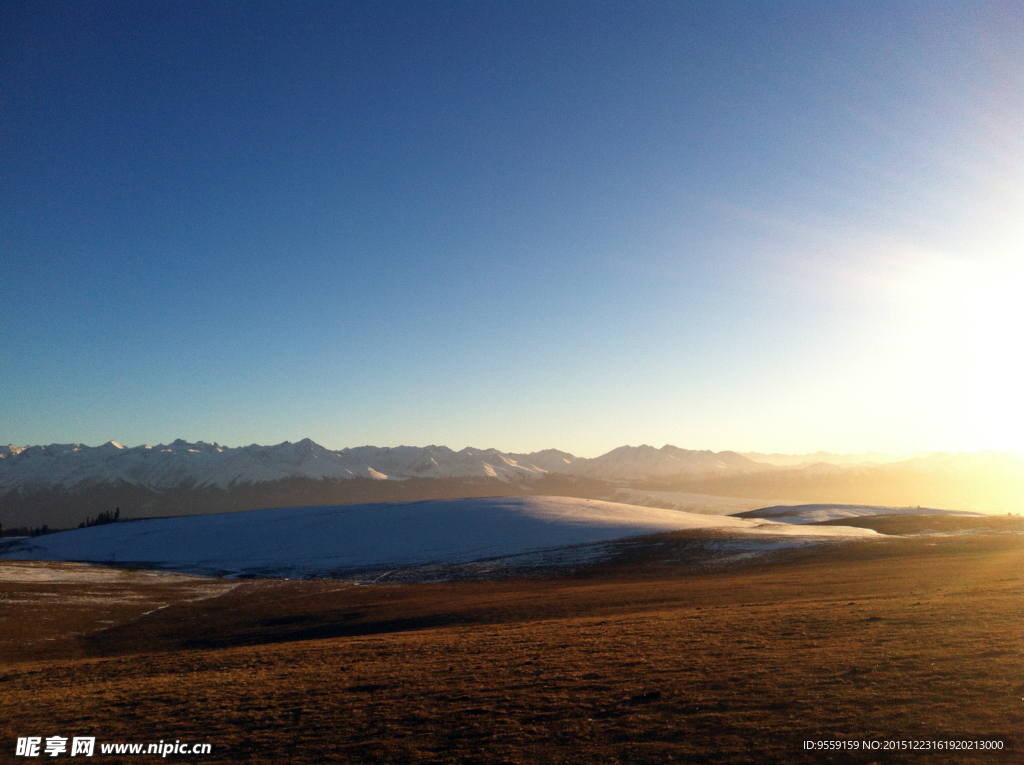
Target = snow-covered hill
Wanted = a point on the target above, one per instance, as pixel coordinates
(334, 540)
(801, 514)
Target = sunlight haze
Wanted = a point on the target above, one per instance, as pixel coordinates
(760, 226)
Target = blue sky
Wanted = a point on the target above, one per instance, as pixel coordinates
(780, 226)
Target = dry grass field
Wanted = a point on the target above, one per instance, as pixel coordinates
(643, 660)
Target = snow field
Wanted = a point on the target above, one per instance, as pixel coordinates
(309, 541)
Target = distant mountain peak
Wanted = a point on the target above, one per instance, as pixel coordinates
(185, 464)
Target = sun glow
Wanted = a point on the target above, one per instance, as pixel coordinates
(997, 364)
(954, 340)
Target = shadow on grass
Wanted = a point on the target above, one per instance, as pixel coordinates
(321, 631)
(212, 631)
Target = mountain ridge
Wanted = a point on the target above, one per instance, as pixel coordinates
(64, 484)
(183, 464)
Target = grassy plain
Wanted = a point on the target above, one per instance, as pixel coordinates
(643, 660)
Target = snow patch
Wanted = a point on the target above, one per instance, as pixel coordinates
(312, 541)
(802, 514)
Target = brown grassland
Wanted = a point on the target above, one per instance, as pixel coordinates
(644, 659)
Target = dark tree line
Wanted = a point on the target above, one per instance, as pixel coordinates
(38, 531)
(101, 519)
(27, 531)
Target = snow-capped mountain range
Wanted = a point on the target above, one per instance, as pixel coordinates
(63, 485)
(194, 465)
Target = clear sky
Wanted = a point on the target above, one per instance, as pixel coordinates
(778, 226)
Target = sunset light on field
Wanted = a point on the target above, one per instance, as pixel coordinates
(398, 382)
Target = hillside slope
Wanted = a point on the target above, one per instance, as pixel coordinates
(334, 540)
